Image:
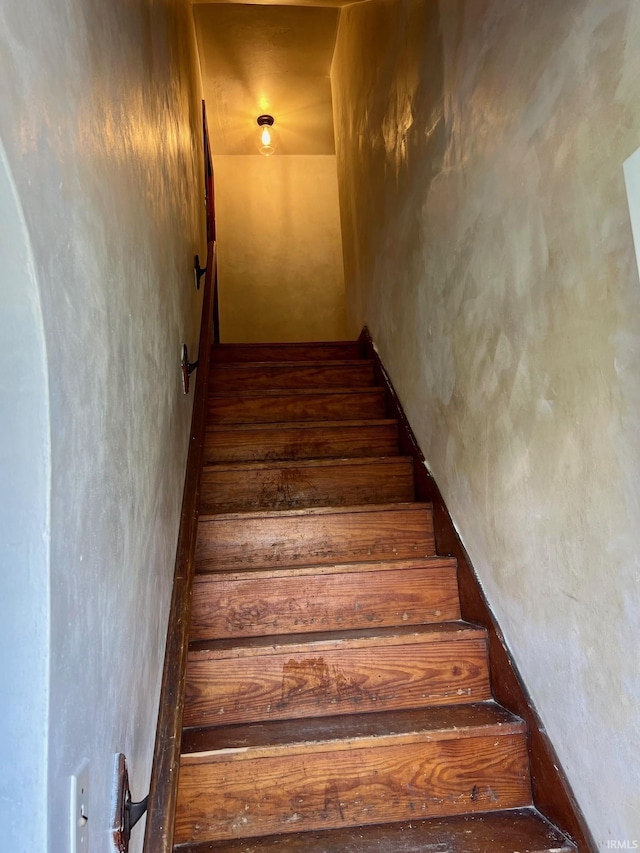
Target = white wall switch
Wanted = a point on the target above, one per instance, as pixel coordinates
(80, 810)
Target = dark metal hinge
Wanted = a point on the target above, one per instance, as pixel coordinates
(198, 271)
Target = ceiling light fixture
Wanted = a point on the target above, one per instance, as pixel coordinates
(268, 136)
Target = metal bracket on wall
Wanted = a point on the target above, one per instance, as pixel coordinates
(126, 813)
(198, 271)
(187, 368)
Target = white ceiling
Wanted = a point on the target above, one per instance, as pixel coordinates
(267, 59)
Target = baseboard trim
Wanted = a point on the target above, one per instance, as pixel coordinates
(551, 790)
(161, 811)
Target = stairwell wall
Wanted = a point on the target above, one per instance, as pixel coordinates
(101, 123)
(488, 248)
(280, 266)
(25, 463)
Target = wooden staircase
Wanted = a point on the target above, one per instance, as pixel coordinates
(335, 700)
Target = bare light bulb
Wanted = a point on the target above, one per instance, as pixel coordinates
(268, 136)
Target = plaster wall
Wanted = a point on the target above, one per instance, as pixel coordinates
(489, 249)
(24, 533)
(280, 251)
(101, 123)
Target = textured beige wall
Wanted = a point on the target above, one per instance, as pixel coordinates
(488, 247)
(101, 124)
(280, 251)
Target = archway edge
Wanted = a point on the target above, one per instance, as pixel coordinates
(25, 478)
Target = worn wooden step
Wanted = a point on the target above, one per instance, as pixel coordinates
(247, 486)
(511, 831)
(354, 730)
(324, 774)
(302, 440)
(234, 378)
(304, 537)
(297, 405)
(323, 351)
(324, 598)
(311, 675)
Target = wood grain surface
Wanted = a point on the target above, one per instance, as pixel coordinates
(302, 440)
(288, 485)
(314, 536)
(238, 378)
(257, 603)
(322, 351)
(330, 688)
(410, 670)
(512, 831)
(297, 405)
(336, 787)
(449, 721)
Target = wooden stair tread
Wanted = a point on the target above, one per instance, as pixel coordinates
(303, 425)
(298, 351)
(336, 785)
(316, 511)
(266, 365)
(441, 723)
(279, 464)
(295, 393)
(316, 675)
(245, 486)
(301, 439)
(314, 535)
(321, 598)
(510, 831)
(308, 404)
(267, 572)
(285, 644)
(293, 374)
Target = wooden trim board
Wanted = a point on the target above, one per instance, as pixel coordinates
(161, 812)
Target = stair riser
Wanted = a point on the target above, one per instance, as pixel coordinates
(285, 407)
(302, 442)
(302, 540)
(329, 351)
(244, 608)
(338, 788)
(339, 681)
(238, 379)
(291, 487)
